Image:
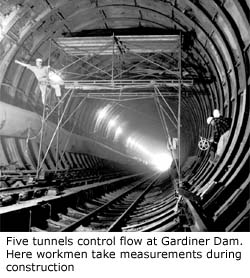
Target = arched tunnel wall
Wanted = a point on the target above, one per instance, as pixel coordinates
(20, 141)
(216, 45)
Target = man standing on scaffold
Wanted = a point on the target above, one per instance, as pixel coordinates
(44, 77)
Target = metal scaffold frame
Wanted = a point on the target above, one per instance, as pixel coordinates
(162, 113)
(115, 87)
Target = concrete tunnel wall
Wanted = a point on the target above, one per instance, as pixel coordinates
(25, 127)
(221, 35)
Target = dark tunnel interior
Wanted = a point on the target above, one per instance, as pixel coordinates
(141, 78)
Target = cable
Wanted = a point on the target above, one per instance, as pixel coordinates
(159, 92)
(165, 128)
(41, 139)
(57, 138)
(53, 136)
(43, 121)
(75, 122)
(179, 109)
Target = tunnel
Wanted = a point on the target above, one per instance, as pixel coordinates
(140, 78)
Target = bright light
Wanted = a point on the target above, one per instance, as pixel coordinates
(162, 162)
(102, 113)
(54, 77)
(135, 145)
(118, 131)
(130, 142)
(111, 123)
(216, 113)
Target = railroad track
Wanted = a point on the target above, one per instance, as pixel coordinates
(144, 205)
(21, 191)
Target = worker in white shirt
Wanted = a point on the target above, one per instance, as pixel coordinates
(45, 77)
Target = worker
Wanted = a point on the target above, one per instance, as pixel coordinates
(221, 126)
(45, 77)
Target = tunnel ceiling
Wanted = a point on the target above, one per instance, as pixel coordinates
(211, 48)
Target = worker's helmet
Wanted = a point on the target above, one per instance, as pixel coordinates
(209, 120)
(216, 113)
(39, 60)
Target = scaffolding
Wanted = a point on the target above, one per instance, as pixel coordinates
(144, 79)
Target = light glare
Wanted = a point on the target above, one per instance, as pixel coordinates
(54, 77)
(102, 114)
(112, 123)
(162, 162)
(118, 131)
